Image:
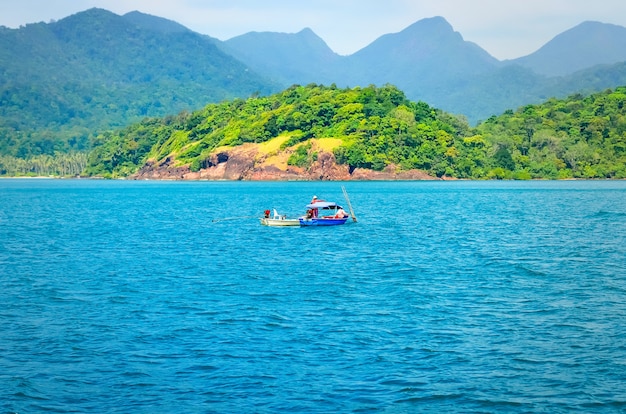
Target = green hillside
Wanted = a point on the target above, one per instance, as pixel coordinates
(579, 137)
(377, 126)
(373, 128)
(61, 82)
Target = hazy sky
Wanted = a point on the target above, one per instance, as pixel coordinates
(505, 28)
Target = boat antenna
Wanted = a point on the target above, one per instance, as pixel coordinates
(345, 194)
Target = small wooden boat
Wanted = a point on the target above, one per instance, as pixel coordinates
(278, 220)
(318, 213)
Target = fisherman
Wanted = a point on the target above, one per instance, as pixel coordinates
(314, 211)
(341, 213)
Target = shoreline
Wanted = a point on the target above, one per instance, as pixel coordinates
(303, 180)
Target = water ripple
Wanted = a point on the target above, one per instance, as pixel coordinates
(461, 297)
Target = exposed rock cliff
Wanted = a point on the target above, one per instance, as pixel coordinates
(250, 162)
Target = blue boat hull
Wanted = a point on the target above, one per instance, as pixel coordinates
(322, 221)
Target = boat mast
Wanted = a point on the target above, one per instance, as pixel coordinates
(345, 194)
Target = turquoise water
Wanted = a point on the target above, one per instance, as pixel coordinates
(161, 297)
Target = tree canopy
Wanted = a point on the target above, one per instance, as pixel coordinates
(62, 83)
(378, 127)
(578, 137)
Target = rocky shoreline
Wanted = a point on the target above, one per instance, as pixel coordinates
(242, 165)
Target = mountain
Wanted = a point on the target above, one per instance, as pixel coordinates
(586, 45)
(62, 82)
(287, 58)
(95, 70)
(425, 52)
(431, 62)
(421, 59)
(154, 23)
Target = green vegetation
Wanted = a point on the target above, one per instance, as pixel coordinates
(60, 165)
(579, 137)
(378, 127)
(301, 157)
(63, 83)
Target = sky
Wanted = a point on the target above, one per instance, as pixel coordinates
(507, 29)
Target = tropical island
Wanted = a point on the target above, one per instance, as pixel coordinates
(317, 132)
(141, 97)
(312, 131)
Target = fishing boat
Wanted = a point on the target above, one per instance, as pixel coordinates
(318, 213)
(323, 213)
(278, 220)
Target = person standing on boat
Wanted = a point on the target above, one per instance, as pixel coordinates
(314, 210)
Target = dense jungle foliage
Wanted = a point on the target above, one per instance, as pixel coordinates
(579, 137)
(62, 83)
(378, 126)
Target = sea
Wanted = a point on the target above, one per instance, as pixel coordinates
(444, 296)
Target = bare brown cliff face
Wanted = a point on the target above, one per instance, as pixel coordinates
(245, 163)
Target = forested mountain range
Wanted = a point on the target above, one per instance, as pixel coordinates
(431, 62)
(378, 129)
(61, 83)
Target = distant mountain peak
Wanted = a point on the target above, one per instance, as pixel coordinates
(159, 24)
(428, 40)
(94, 12)
(593, 23)
(293, 56)
(274, 40)
(436, 23)
(425, 33)
(588, 43)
